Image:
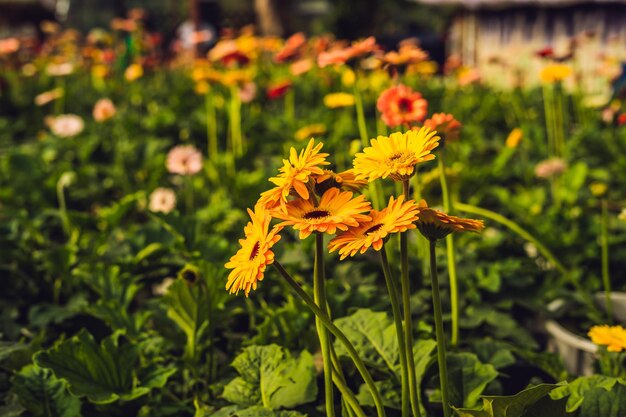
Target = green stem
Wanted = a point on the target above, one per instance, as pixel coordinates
(467, 208)
(320, 299)
(441, 342)
(397, 318)
(374, 187)
(347, 395)
(350, 403)
(606, 278)
(567, 275)
(290, 106)
(236, 139)
(65, 220)
(211, 126)
(406, 304)
(325, 320)
(422, 242)
(548, 110)
(189, 194)
(454, 287)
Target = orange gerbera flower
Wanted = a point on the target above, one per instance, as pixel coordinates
(613, 337)
(446, 125)
(400, 105)
(294, 175)
(398, 216)
(345, 181)
(407, 54)
(434, 224)
(336, 210)
(395, 156)
(249, 263)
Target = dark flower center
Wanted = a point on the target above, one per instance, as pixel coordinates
(405, 105)
(316, 214)
(255, 250)
(373, 229)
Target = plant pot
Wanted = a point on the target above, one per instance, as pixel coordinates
(577, 352)
(618, 302)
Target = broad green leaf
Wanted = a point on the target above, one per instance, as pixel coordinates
(103, 373)
(600, 402)
(271, 377)
(467, 378)
(43, 394)
(495, 353)
(389, 391)
(423, 351)
(257, 411)
(531, 402)
(9, 348)
(576, 390)
(547, 407)
(373, 335)
(188, 307)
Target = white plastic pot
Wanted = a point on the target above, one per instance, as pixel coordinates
(578, 353)
(618, 302)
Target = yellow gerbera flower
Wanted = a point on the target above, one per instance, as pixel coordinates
(336, 210)
(249, 263)
(396, 156)
(555, 73)
(336, 100)
(398, 216)
(294, 175)
(514, 138)
(613, 337)
(310, 131)
(133, 72)
(343, 180)
(434, 224)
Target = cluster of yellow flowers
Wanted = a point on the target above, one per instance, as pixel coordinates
(613, 337)
(312, 199)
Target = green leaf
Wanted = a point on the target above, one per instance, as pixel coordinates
(531, 402)
(467, 378)
(103, 373)
(423, 351)
(373, 335)
(493, 352)
(189, 307)
(257, 411)
(265, 412)
(578, 388)
(271, 377)
(389, 391)
(9, 348)
(601, 402)
(43, 394)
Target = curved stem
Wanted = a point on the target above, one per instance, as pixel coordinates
(325, 320)
(441, 341)
(468, 208)
(454, 287)
(350, 402)
(347, 395)
(406, 304)
(397, 318)
(319, 294)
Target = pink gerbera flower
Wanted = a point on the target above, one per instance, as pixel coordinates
(184, 160)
